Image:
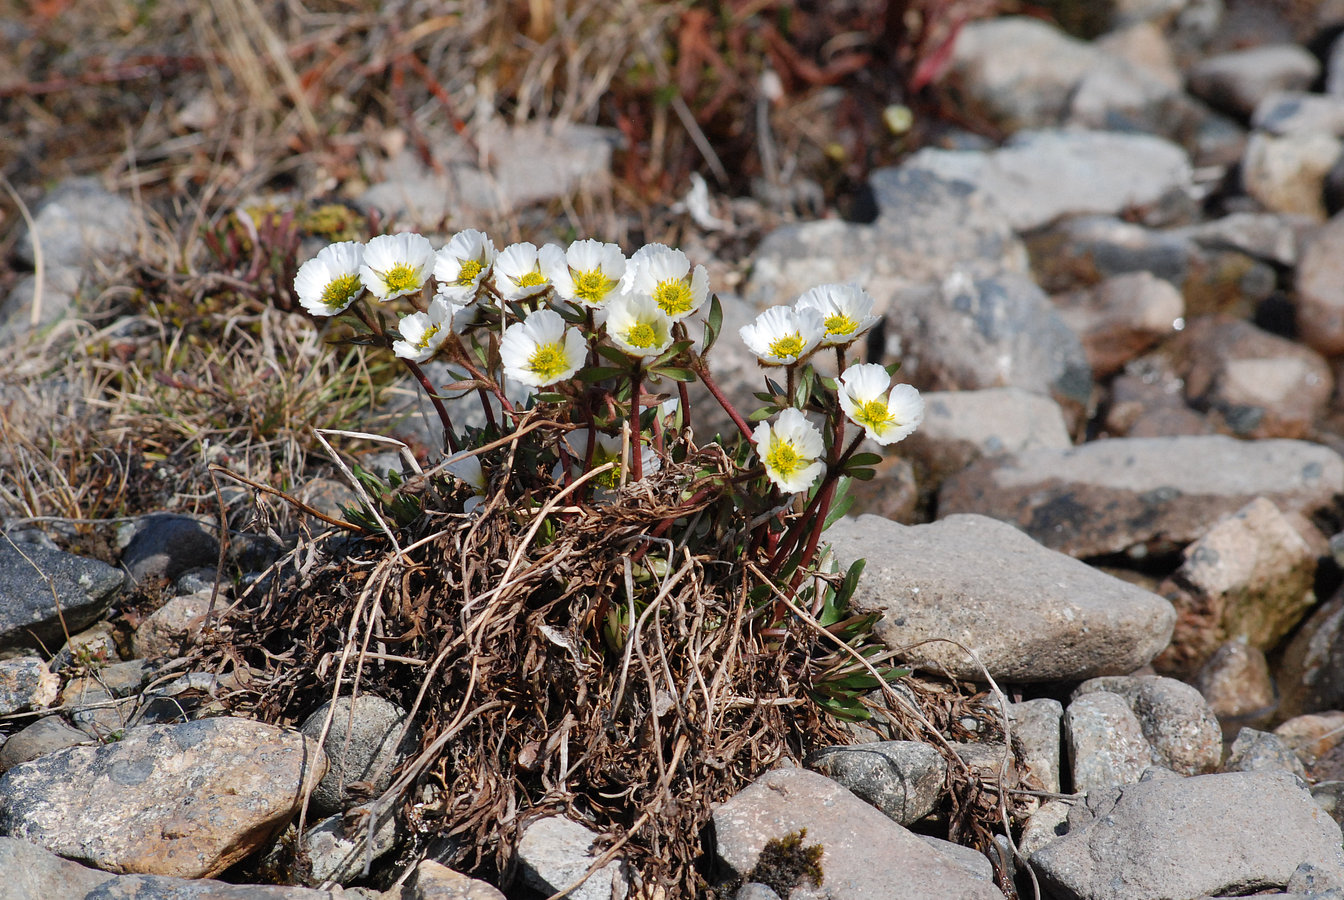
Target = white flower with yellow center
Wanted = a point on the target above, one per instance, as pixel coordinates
(396, 264)
(540, 350)
(791, 449)
(606, 449)
(846, 311)
(464, 314)
(587, 273)
(468, 471)
(518, 272)
(637, 326)
(462, 263)
(782, 335)
(666, 275)
(886, 416)
(422, 333)
(328, 283)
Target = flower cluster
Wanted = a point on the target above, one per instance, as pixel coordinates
(592, 331)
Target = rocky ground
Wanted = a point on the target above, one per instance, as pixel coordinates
(1121, 517)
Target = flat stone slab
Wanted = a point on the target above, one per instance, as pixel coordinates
(35, 581)
(1030, 614)
(1110, 496)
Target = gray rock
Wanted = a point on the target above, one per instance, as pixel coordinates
(1175, 719)
(1251, 383)
(864, 853)
(47, 735)
(92, 648)
(1296, 112)
(1019, 72)
(1258, 751)
(1309, 676)
(1270, 237)
(173, 626)
(528, 162)
(1287, 174)
(166, 545)
(972, 861)
(1048, 823)
(83, 588)
(904, 779)
(1250, 578)
(1040, 176)
(31, 873)
(1000, 331)
(364, 743)
(1161, 493)
(185, 800)
(94, 710)
(60, 287)
(1313, 736)
(1037, 735)
(434, 881)
(1121, 318)
(1030, 614)
(1170, 839)
(1238, 686)
(754, 890)
(1319, 294)
(337, 853)
(926, 227)
(1240, 80)
(959, 427)
(555, 852)
(80, 221)
(1106, 743)
(26, 683)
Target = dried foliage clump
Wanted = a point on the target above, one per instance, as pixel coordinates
(559, 659)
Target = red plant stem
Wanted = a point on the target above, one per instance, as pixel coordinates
(702, 372)
(814, 515)
(420, 376)
(636, 381)
(684, 394)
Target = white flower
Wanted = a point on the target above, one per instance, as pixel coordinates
(464, 313)
(885, 417)
(606, 449)
(791, 449)
(423, 332)
(460, 265)
(468, 470)
(665, 275)
(518, 272)
(540, 350)
(396, 264)
(782, 335)
(637, 326)
(328, 283)
(846, 311)
(587, 273)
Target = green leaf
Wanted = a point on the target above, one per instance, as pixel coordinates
(760, 415)
(861, 474)
(838, 509)
(600, 373)
(865, 459)
(614, 355)
(713, 322)
(892, 368)
(676, 373)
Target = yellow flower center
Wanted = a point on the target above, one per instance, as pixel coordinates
(340, 290)
(549, 362)
(674, 297)
(610, 479)
(840, 324)
(532, 279)
(425, 338)
(641, 335)
(875, 415)
(788, 346)
(592, 286)
(401, 278)
(783, 457)
(470, 269)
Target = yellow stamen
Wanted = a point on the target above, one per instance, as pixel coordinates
(592, 285)
(875, 415)
(400, 278)
(674, 297)
(610, 479)
(549, 361)
(340, 290)
(641, 335)
(840, 324)
(790, 345)
(470, 269)
(425, 338)
(783, 457)
(532, 279)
